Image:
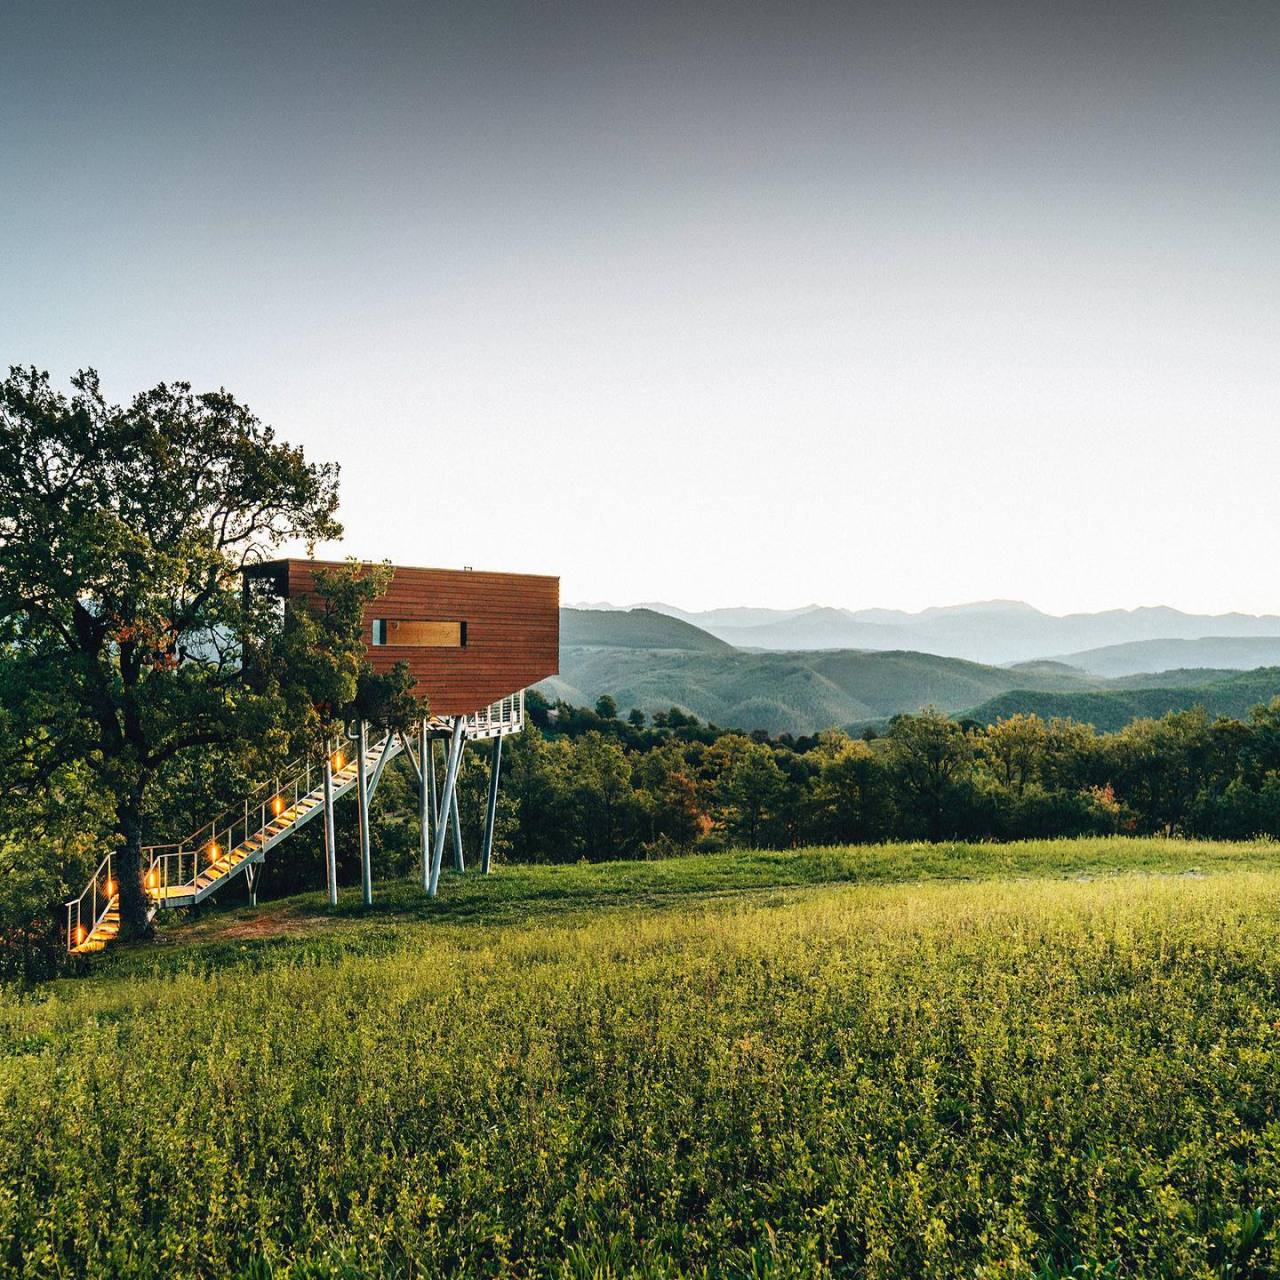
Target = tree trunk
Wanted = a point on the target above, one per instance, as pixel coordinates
(129, 871)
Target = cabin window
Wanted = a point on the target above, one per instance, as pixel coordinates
(419, 633)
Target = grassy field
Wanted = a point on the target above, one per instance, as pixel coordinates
(1034, 1060)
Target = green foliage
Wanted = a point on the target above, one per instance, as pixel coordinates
(629, 1070)
(128, 643)
(50, 847)
(749, 789)
(927, 776)
(929, 756)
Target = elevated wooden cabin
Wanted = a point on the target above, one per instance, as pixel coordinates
(470, 638)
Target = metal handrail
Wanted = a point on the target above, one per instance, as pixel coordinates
(507, 712)
(256, 798)
(98, 894)
(178, 867)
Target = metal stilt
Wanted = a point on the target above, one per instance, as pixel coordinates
(435, 799)
(459, 862)
(388, 746)
(495, 766)
(450, 778)
(251, 873)
(330, 844)
(425, 790)
(362, 798)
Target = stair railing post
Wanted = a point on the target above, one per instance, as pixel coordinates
(330, 848)
(495, 766)
(362, 796)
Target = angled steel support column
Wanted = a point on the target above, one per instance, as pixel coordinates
(383, 756)
(446, 800)
(362, 798)
(435, 799)
(426, 790)
(330, 844)
(459, 862)
(495, 766)
(251, 872)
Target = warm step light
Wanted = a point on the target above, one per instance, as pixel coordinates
(337, 760)
(277, 805)
(153, 878)
(110, 888)
(213, 849)
(80, 934)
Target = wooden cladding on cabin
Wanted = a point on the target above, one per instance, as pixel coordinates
(506, 637)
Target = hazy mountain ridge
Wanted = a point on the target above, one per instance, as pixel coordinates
(991, 631)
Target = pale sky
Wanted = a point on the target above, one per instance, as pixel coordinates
(883, 305)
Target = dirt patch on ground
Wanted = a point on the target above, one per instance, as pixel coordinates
(271, 924)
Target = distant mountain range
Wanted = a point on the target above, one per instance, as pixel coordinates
(653, 659)
(991, 631)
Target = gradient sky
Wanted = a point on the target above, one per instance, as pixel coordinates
(866, 305)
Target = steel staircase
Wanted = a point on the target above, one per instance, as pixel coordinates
(235, 843)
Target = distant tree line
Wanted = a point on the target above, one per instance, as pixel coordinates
(593, 784)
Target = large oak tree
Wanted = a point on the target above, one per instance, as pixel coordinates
(128, 643)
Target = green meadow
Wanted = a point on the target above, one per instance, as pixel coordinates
(1043, 1059)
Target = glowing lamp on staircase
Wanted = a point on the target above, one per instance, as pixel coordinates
(110, 888)
(80, 934)
(277, 805)
(337, 759)
(153, 878)
(212, 850)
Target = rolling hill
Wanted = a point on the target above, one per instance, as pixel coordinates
(1230, 694)
(1240, 653)
(634, 629)
(652, 660)
(783, 692)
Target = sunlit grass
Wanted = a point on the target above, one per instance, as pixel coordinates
(712, 1066)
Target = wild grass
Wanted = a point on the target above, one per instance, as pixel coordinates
(722, 1066)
